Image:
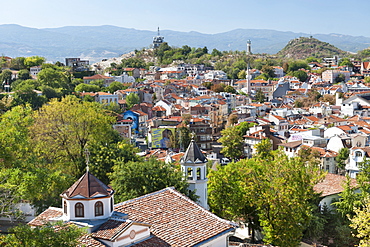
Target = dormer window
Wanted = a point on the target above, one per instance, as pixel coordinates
(79, 210)
(98, 208)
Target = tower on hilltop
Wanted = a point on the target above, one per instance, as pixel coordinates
(157, 40)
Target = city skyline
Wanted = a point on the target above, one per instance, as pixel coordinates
(303, 16)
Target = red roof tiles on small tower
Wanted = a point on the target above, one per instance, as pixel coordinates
(88, 186)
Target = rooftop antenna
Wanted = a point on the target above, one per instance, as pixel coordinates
(87, 154)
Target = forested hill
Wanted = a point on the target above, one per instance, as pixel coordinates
(302, 48)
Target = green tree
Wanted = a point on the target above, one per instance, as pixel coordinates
(340, 78)
(62, 129)
(297, 64)
(346, 62)
(269, 71)
(360, 222)
(83, 87)
(18, 63)
(33, 61)
(229, 89)
(216, 52)
(228, 198)
(24, 74)
(260, 96)
(342, 157)
(53, 77)
(6, 76)
(14, 136)
(242, 74)
(57, 235)
(243, 127)
(300, 74)
(232, 143)
(278, 189)
(132, 99)
(134, 179)
(114, 86)
(26, 94)
(103, 156)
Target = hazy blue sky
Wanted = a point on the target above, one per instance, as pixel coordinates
(206, 16)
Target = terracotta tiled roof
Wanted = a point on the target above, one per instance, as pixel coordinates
(291, 144)
(332, 184)
(88, 241)
(158, 108)
(45, 216)
(110, 229)
(154, 241)
(96, 77)
(88, 186)
(174, 218)
(103, 93)
(324, 153)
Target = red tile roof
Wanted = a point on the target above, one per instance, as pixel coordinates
(96, 77)
(153, 241)
(88, 186)
(45, 216)
(332, 184)
(174, 218)
(88, 241)
(111, 229)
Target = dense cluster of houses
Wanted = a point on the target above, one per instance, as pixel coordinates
(325, 127)
(169, 96)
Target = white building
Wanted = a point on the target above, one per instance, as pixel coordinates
(162, 218)
(194, 168)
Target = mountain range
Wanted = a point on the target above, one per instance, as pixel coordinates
(99, 42)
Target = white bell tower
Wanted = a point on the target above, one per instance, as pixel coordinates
(194, 168)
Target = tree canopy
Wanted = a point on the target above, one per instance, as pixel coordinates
(278, 189)
(133, 179)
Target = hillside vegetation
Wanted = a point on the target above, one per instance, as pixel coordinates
(303, 47)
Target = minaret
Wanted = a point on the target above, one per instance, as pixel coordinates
(194, 168)
(248, 67)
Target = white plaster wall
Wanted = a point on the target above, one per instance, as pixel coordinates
(89, 208)
(217, 242)
(335, 144)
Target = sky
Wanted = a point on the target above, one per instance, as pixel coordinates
(205, 16)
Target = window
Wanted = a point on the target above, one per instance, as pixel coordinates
(98, 208)
(111, 204)
(198, 174)
(79, 210)
(358, 154)
(65, 207)
(190, 173)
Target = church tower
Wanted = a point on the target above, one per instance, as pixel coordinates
(194, 168)
(87, 199)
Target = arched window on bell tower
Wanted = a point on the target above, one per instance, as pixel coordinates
(98, 208)
(79, 210)
(65, 207)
